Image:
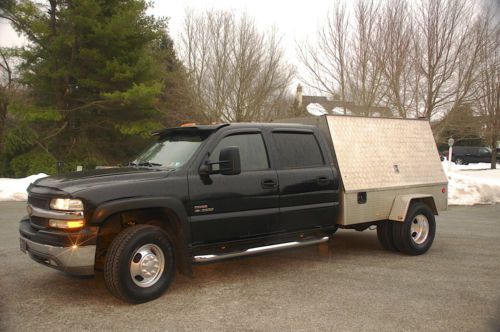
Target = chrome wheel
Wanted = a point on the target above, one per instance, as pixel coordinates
(147, 265)
(460, 161)
(419, 229)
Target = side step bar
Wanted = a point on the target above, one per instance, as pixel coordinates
(258, 250)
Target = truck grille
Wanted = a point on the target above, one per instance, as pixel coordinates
(40, 202)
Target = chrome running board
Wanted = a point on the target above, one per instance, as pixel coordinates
(258, 250)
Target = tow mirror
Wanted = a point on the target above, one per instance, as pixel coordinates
(229, 161)
(205, 169)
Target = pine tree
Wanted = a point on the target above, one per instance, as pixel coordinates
(94, 71)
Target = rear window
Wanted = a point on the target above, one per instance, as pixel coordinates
(298, 150)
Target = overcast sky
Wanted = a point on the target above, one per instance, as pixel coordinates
(295, 20)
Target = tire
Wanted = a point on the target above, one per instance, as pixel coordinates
(146, 252)
(333, 230)
(415, 235)
(460, 161)
(384, 235)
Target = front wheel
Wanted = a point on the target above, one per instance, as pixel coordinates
(415, 235)
(460, 161)
(139, 264)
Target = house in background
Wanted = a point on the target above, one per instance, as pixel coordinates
(319, 105)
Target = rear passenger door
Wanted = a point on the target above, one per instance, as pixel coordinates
(308, 187)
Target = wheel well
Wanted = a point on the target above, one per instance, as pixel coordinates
(429, 201)
(164, 218)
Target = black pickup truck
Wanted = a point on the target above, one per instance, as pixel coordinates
(199, 194)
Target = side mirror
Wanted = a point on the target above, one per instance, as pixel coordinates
(205, 170)
(229, 163)
(229, 160)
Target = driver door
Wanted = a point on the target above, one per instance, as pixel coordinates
(231, 207)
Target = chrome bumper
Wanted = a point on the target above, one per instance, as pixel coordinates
(74, 260)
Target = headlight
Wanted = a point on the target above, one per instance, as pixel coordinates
(66, 204)
(66, 224)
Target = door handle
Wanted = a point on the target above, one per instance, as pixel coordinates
(323, 180)
(268, 184)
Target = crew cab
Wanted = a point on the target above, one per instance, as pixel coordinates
(203, 193)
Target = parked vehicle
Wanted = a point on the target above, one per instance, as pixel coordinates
(206, 193)
(443, 155)
(463, 155)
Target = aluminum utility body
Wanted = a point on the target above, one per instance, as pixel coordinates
(206, 193)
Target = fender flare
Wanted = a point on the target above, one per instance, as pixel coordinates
(402, 203)
(105, 210)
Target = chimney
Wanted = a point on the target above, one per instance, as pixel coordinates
(298, 95)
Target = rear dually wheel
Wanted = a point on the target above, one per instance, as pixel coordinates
(415, 235)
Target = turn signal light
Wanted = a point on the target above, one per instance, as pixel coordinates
(66, 224)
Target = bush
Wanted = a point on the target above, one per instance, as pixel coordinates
(33, 162)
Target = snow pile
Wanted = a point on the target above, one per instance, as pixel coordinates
(472, 184)
(340, 111)
(15, 189)
(316, 109)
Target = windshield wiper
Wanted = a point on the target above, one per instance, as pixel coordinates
(149, 164)
(143, 164)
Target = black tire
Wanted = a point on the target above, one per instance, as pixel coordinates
(384, 235)
(413, 242)
(460, 161)
(118, 262)
(333, 230)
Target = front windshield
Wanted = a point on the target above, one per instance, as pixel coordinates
(171, 151)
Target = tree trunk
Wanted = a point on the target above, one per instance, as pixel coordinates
(494, 138)
(3, 117)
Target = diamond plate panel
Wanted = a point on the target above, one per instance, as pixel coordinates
(377, 153)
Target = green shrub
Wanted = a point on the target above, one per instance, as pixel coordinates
(33, 162)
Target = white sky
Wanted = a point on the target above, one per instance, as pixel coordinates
(295, 20)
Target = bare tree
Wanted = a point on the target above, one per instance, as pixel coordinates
(237, 72)
(396, 56)
(418, 59)
(365, 71)
(488, 82)
(443, 33)
(326, 61)
(344, 63)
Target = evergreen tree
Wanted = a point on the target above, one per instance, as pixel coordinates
(95, 71)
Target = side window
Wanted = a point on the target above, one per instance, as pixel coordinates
(253, 153)
(298, 150)
(484, 152)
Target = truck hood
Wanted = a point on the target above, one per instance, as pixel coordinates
(77, 181)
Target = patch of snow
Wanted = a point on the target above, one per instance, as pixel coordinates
(340, 111)
(316, 109)
(472, 184)
(15, 189)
